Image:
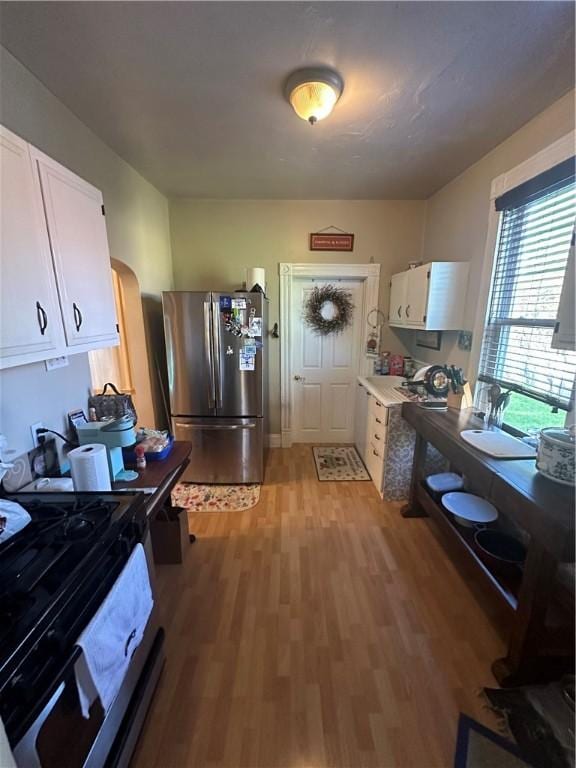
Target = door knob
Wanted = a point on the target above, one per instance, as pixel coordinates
(299, 378)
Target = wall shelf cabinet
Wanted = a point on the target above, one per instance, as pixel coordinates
(56, 289)
(430, 297)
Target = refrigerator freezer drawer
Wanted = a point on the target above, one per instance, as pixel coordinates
(223, 450)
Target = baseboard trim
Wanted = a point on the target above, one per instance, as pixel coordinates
(274, 440)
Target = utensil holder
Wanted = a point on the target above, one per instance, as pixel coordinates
(461, 400)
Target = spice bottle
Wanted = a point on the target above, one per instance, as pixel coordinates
(140, 452)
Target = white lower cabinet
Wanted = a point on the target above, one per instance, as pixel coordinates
(385, 441)
(56, 294)
(370, 433)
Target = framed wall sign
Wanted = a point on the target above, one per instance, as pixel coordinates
(331, 241)
(429, 339)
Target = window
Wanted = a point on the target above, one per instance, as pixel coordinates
(537, 223)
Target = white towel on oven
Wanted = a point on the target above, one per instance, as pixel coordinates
(114, 633)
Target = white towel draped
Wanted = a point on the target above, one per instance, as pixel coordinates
(114, 633)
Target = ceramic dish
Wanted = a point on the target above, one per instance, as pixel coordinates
(468, 509)
(555, 458)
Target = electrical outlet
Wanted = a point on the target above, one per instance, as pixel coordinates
(56, 362)
(33, 428)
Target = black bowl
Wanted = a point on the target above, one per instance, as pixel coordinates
(499, 551)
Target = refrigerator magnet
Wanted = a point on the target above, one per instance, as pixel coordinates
(247, 362)
(239, 303)
(255, 326)
(225, 303)
(249, 347)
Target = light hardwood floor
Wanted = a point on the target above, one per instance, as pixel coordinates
(317, 629)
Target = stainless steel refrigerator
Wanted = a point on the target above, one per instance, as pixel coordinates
(215, 348)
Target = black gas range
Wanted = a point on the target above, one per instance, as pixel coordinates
(55, 573)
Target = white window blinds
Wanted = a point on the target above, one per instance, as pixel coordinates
(535, 234)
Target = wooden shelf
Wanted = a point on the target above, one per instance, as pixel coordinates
(506, 591)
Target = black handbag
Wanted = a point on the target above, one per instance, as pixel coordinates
(112, 406)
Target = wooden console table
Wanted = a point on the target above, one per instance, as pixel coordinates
(160, 477)
(540, 643)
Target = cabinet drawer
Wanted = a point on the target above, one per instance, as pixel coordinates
(378, 410)
(377, 431)
(375, 463)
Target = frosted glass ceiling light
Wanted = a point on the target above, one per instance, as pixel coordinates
(313, 92)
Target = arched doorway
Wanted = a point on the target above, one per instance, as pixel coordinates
(127, 365)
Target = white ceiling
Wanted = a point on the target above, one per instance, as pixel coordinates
(190, 93)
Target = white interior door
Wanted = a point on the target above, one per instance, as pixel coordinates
(324, 369)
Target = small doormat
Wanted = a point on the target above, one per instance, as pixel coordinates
(339, 463)
(479, 747)
(215, 498)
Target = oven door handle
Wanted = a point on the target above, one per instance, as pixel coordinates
(25, 751)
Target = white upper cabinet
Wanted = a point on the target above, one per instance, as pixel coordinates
(30, 322)
(398, 287)
(431, 297)
(55, 274)
(417, 283)
(77, 229)
(565, 332)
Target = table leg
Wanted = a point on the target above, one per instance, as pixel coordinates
(522, 663)
(413, 508)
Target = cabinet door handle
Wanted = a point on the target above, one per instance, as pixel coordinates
(408, 310)
(376, 436)
(378, 404)
(375, 452)
(400, 310)
(77, 316)
(42, 318)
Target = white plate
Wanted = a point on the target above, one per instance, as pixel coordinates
(470, 507)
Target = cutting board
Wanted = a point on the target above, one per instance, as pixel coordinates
(498, 444)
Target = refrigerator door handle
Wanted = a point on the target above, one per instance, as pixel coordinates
(214, 426)
(217, 344)
(208, 350)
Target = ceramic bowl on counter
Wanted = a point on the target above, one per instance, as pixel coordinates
(555, 458)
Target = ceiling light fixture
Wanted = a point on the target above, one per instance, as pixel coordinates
(313, 92)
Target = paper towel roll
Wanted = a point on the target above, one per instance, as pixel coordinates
(89, 468)
(255, 275)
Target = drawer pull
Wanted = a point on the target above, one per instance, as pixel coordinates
(378, 404)
(77, 316)
(375, 452)
(378, 421)
(42, 318)
(376, 436)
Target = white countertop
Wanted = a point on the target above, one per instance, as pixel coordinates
(383, 388)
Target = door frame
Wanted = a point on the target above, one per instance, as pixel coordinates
(368, 274)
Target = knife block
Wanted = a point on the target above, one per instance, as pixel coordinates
(460, 401)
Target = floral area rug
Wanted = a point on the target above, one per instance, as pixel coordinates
(215, 498)
(339, 463)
